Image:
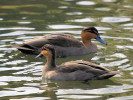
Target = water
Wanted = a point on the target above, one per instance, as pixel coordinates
(22, 20)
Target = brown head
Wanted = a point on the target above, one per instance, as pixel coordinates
(89, 33)
(48, 51)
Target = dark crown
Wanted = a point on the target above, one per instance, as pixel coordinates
(91, 29)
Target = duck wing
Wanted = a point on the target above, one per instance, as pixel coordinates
(98, 71)
(82, 65)
(63, 40)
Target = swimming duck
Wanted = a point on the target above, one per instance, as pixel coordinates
(72, 70)
(64, 44)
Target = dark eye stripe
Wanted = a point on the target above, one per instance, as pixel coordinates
(92, 31)
(43, 48)
(95, 32)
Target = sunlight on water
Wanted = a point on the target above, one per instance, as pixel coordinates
(33, 98)
(78, 97)
(64, 26)
(74, 13)
(83, 20)
(24, 22)
(20, 74)
(115, 19)
(107, 90)
(122, 98)
(63, 7)
(20, 91)
(1, 19)
(103, 9)
(3, 83)
(13, 78)
(120, 55)
(109, 0)
(14, 62)
(17, 28)
(86, 3)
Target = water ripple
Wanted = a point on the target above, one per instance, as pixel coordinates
(2, 55)
(16, 78)
(110, 89)
(122, 98)
(115, 63)
(20, 76)
(17, 28)
(63, 7)
(64, 26)
(103, 9)
(120, 55)
(18, 33)
(86, 3)
(20, 91)
(24, 22)
(78, 97)
(118, 38)
(109, 0)
(74, 13)
(129, 24)
(1, 19)
(16, 62)
(124, 47)
(33, 98)
(3, 83)
(82, 20)
(115, 19)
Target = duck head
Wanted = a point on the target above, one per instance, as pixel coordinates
(47, 50)
(89, 33)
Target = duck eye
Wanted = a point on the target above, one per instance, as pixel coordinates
(93, 31)
(43, 48)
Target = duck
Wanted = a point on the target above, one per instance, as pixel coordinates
(64, 44)
(71, 70)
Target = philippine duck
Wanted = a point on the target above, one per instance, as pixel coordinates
(72, 70)
(64, 44)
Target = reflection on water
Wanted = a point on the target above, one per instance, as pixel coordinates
(83, 20)
(85, 3)
(64, 26)
(22, 20)
(115, 19)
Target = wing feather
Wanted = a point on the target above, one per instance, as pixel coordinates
(63, 40)
(85, 66)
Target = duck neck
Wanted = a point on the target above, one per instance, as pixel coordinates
(51, 61)
(86, 41)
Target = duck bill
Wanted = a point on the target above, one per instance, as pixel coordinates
(101, 40)
(39, 56)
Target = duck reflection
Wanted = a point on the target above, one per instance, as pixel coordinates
(78, 84)
(54, 88)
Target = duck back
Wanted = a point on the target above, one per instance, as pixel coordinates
(60, 40)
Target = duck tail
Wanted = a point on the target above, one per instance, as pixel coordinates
(108, 75)
(24, 48)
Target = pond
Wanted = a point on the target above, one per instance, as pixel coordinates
(22, 20)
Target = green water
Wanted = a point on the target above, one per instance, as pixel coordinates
(22, 20)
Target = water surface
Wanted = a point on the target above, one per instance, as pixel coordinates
(22, 20)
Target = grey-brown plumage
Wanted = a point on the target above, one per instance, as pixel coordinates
(64, 44)
(61, 40)
(73, 70)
